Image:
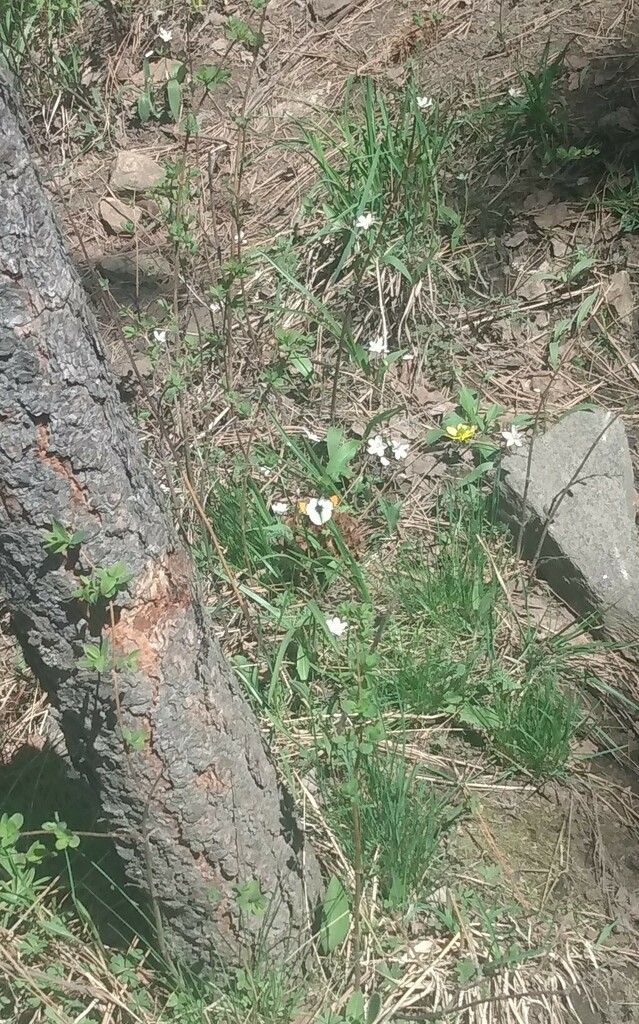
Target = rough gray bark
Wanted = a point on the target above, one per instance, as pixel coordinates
(201, 800)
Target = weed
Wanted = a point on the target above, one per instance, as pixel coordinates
(622, 198)
(537, 722)
(403, 823)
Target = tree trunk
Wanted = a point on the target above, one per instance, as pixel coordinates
(171, 745)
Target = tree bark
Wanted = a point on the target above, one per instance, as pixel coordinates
(198, 809)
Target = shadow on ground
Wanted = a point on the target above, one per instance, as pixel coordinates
(38, 784)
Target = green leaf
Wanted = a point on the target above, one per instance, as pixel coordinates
(434, 435)
(135, 738)
(341, 453)
(468, 402)
(465, 970)
(302, 364)
(475, 474)
(144, 107)
(605, 932)
(585, 263)
(303, 664)
(381, 417)
(355, 1007)
(373, 1008)
(479, 717)
(212, 75)
(553, 354)
(174, 97)
(585, 308)
(393, 261)
(336, 917)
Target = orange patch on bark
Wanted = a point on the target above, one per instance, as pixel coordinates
(161, 595)
(209, 781)
(59, 467)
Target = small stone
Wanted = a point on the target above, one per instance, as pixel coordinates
(119, 217)
(135, 171)
(559, 247)
(324, 10)
(580, 507)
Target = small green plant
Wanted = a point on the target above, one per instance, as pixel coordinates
(65, 839)
(59, 541)
(621, 196)
(96, 657)
(250, 898)
(103, 584)
(237, 30)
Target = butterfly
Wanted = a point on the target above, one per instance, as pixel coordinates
(319, 510)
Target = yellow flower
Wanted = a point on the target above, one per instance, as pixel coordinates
(461, 432)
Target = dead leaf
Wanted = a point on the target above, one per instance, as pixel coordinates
(514, 241)
(619, 295)
(531, 289)
(428, 397)
(553, 215)
(425, 465)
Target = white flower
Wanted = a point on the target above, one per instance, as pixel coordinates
(311, 436)
(377, 446)
(319, 510)
(425, 102)
(365, 221)
(512, 437)
(514, 92)
(400, 449)
(159, 336)
(239, 236)
(378, 346)
(214, 307)
(336, 626)
(165, 34)
(279, 508)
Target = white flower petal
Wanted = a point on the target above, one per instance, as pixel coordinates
(159, 335)
(384, 461)
(311, 436)
(376, 445)
(400, 450)
(165, 34)
(336, 626)
(425, 102)
(319, 511)
(512, 437)
(378, 346)
(279, 508)
(365, 221)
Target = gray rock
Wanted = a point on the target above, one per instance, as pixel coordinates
(581, 484)
(134, 171)
(118, 217)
